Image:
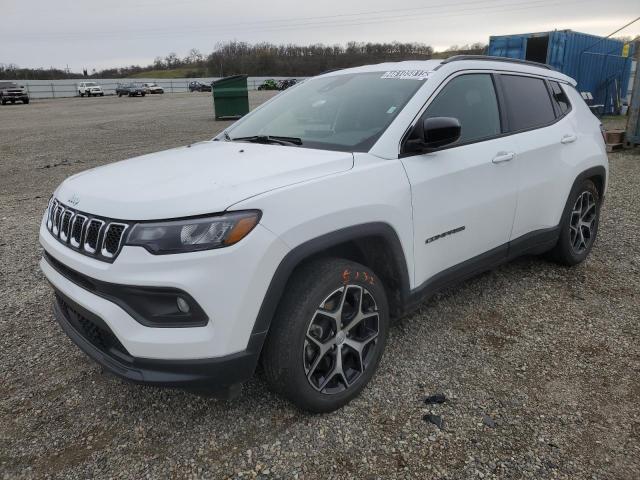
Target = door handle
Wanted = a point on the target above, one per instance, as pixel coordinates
(568, 139)
(502, 157)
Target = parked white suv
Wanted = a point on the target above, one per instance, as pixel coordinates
(90, 88)
(294, 236)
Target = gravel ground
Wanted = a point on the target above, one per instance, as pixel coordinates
(540, 364)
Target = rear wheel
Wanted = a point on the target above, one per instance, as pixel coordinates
(328, 334)
(81, 94)
(579, 227)
(25, 101)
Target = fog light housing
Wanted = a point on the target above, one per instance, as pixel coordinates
(183, 306)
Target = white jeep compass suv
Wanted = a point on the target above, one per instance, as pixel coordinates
(293, 237)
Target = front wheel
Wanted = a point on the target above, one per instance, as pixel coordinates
(328, 334)
(579, 226)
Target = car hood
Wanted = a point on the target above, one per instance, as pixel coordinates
(198, 179)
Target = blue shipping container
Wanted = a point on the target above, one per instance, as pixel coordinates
(600, 65)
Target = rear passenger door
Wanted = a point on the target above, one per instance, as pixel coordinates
(543, 137)
(464, 195)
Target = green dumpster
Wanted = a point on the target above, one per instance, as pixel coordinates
(230, 97)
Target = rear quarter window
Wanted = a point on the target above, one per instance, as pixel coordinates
(528, 104)
(560, 97)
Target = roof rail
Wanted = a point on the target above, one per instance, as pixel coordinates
(457, 58)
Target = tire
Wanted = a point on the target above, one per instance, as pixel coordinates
(25, 101)
(102, 94)
(3, 101)
(304, 343)
(81, 94)
(579, 225)
(88, 94)
(143, 94)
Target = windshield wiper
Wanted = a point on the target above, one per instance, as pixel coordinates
(225, 135)
(269, 139)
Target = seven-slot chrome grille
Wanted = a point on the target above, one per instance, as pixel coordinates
(97, 237)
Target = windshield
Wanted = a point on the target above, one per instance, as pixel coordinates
(344, 112)
(90, 84)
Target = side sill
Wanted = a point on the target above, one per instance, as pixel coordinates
(533, 243)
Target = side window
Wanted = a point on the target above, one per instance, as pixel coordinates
(528, 103)
(560, 98)
(471, 99)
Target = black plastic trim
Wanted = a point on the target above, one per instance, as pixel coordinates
(598, 171)
(302, 252)
(138, 301)
(535, 242)
(208, 374)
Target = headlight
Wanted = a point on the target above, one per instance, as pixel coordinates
(193, 234)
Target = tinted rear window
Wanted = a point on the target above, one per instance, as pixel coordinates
(560, 98)
(528, 103)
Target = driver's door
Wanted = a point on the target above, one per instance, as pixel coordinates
(464, 195)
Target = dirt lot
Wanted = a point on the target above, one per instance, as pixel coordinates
(540, 364)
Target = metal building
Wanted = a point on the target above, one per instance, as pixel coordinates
(600, 65)
(633, 122)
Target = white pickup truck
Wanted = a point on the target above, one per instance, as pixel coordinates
(90, 88)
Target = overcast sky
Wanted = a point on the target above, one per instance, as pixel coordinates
(44, 33)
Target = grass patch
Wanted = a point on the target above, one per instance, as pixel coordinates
(173, 73)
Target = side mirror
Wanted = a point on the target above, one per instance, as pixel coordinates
(433, 133)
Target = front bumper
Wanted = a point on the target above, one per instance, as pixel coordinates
(94, 338)
(228, 284)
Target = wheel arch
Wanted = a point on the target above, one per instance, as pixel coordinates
(376, 245)
(597, 174)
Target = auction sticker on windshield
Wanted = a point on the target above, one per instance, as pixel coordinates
(406, 74)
